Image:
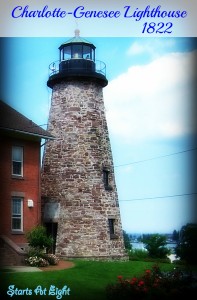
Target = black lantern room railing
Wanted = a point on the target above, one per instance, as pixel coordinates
(70, 66)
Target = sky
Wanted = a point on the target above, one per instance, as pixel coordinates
(150, 111)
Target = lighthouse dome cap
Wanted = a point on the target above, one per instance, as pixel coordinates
(77, 40)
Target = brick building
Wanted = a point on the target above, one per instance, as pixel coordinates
(20, 197)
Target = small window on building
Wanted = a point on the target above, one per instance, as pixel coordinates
(111, 226)
(17, 161)
(112, 229)
(17, 214)
(106, 177)
(106, 181)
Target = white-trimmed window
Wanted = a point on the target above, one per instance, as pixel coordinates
(17, 161)
(17, 214)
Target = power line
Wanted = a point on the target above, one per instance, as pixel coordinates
(35, 125)
(157, 157)
(43, 125)
(160, 197)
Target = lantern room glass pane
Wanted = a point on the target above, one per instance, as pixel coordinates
(67, 52)
(88, 52)
(77, 51)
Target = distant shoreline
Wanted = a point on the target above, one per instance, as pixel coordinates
(140, 245)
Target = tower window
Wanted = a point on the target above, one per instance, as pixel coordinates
(17, 214)
(111, 226)
(106, 177)
(17, 161)
(112, 229)
(106, 174)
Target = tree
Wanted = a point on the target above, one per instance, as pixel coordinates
(187, 246)
(175, 236)
(127, 242)
(155, 245)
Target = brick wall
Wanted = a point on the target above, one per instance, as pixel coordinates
(27, 187)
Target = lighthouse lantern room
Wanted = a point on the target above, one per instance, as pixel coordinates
(77, 58)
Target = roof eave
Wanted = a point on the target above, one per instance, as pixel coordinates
(48, 137)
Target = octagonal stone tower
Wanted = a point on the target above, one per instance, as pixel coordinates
(79, 195)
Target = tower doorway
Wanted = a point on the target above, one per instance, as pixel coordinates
(51, 228)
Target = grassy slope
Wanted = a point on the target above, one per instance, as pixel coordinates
(87, 280)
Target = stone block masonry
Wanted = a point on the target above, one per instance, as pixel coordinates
(78, 174)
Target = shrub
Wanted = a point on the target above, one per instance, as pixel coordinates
(38, 241)
(138, 254)
(39, 259)
(38, 238)
(186, 247)
(34, 252)
(143, 255)
(35, 261)
(52, 259)
(153, 285)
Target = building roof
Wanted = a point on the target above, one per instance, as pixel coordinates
(12, 120)
(77, 39)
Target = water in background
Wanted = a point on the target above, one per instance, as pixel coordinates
(139, 245)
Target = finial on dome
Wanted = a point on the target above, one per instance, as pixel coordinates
(77, 32)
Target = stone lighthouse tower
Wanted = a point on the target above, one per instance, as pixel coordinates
(79, 195)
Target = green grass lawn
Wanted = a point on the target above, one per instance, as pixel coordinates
(87, 280)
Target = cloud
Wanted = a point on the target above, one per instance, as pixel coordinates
(137, 48)
(152, 100)
(151, 47)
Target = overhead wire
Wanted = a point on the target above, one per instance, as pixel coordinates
(156, 157)
(160, 197)
(157, 197)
